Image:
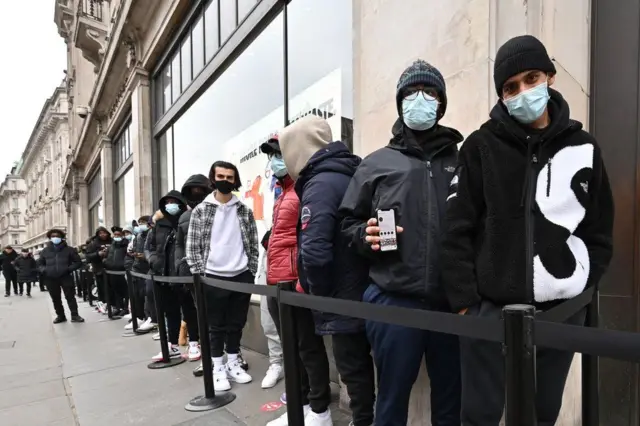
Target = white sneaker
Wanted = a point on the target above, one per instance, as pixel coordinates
(128, 316)
(220, 380)
(315, 419)
(174, 352)
(236, 373)
(130, 325)
(274, 374)
(147, 325)
(156, 337)
(193, 352)
(284, 421)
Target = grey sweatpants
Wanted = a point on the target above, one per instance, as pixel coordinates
(271, 333)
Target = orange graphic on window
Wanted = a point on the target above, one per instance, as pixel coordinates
(257, 197)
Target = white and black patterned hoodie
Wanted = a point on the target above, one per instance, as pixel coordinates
(529, 213)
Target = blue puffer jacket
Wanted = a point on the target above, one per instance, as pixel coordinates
(327, 265)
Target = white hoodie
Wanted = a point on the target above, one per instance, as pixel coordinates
(227, 257)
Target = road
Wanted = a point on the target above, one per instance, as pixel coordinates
(89, 375)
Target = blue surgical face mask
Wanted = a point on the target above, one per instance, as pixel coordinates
(172, 209)
(143, 228)
(420, 111)
(136, 230)
(117, 239)
(529, 105)
(129, 237)
(277, 167)
(56, 240)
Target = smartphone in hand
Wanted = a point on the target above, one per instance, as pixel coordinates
(387, 225)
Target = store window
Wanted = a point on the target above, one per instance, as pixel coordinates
(164, 163)
(122, 147)
(125, 190)
(96, 214)
(211, 30)
(228, 18)
(320, 71)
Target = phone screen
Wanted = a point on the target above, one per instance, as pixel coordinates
(387, 225)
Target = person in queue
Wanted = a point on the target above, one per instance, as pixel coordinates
(322, 170)
(530, 218)
(222, 242)
(27, 270)
(114, 261)
(8, 256)
(144, 306)
(194, 191)
(56, 264)
(96, 253)
(411, 177)
(160, 251)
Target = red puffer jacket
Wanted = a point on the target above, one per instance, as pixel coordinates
(282, 252)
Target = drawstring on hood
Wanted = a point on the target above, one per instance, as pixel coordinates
(302, 139)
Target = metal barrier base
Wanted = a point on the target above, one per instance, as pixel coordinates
(162, 364)
(202, 403)
(113, 318)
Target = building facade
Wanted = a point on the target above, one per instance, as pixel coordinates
(42, 168)
(156, 95)
(13, 206)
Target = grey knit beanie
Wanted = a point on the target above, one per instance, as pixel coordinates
(422, 72)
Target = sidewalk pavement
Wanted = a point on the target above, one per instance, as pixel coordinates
(89, 375)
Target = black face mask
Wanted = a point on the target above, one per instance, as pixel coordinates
(224, 186)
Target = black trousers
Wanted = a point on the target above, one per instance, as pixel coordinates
(139, 295)
(118, 288)
(100, 286)
(313, 361)
(227, 315)
(58, 286)
(352, 353)
(483, 379)
(10, 278)
(21, 285)
(150, 301)
(178, 304)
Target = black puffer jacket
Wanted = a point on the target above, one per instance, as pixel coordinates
(6, 261)
(58, 262)
(199, 181)
(94, 248)
(140, 265)
(411, 176)
(160, 245)
(27, 269)
(116, 255)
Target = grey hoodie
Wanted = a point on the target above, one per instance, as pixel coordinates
(302, 139)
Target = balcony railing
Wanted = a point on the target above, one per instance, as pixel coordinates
(92, 9)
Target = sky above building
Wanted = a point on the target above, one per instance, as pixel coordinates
(33, 60)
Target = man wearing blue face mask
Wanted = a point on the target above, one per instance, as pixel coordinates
(530, 217)
(56, 263)
(410, 176)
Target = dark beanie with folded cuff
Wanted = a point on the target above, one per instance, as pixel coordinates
(422, 72)
(521, 53)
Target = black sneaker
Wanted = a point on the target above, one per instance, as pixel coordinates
(77, 318)
(20, 294)
(59, 319)
(7, 295)
(198, 371)
(28, 295)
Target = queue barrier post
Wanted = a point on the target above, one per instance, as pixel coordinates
(90, 283)
(292, 365)
(166, 361)
(591, 371)
(208, 401)
(520, 365)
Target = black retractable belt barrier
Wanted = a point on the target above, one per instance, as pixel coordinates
(167, 361)
(292, 378)
(520, 365)
(590, 371)
(208, 401)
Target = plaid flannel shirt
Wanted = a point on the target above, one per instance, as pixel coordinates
(199, 236)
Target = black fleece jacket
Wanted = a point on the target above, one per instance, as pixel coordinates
(195, 181)
(530, 213)
(159, 247)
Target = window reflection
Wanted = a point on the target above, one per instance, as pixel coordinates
(166, 81)
(228, 19)
(244, 7)
(175, 74)
(320, 68)
(211, 29)
(185, 59)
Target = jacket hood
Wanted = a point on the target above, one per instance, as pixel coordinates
(211, 199)
(102, 228)
(196, 181)
(301, 140)
(419, 144)
(502, 123)
(335, 158)
(175, 195)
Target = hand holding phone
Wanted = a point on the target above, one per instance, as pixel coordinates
(384, 223)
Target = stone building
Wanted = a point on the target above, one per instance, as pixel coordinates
(43, 165)
(13, 205)
(159, 93)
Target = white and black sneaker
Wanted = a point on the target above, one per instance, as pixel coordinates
(220, 379)
(174, 352)
(236, 373)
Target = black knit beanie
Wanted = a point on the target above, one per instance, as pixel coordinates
(421, 72)
(521, 53)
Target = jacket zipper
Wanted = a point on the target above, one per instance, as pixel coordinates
(57, 264)
(528, 218)
(549, 177)
(428, 260)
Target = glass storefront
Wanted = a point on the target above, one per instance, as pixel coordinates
(96, 209)
(125, 192)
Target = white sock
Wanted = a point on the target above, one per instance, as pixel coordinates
(217, 362)
(323, 415)
(232, 357)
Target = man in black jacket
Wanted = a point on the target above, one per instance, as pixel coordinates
(27, 271)
(410, 176)
(56, 263)
(96, 253)
(530, 218)
(116, 256)
(145, 303)
(7, 258)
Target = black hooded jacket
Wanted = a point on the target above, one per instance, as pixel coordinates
(140, 265)
(94, 248)
(530, 213)
(6, 262)
(58, 262)
(160, 243)
(116, 256)
(200, 181)
(27, 269)
(410, 176)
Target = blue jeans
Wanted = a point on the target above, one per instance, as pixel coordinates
(398, 353)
